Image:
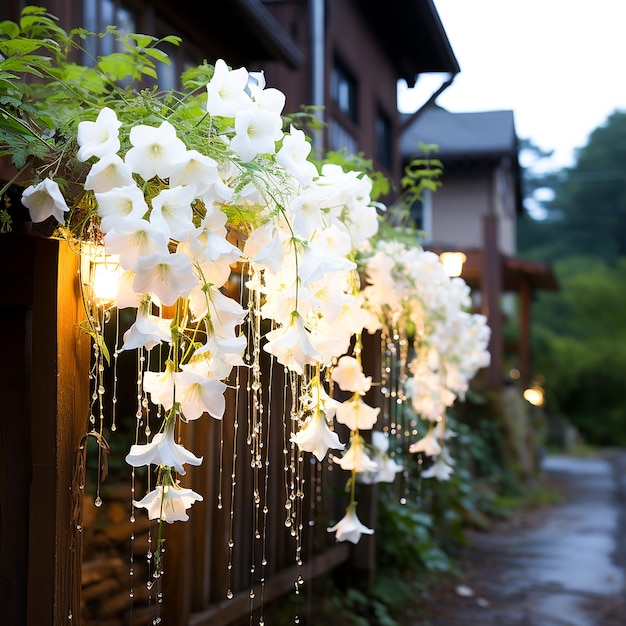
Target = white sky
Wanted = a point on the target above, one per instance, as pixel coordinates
(560, 65)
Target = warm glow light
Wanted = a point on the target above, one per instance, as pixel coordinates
(452, 263)
(105, 276)
(534, 395)
(104, 271)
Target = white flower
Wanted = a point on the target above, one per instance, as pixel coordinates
(222, 354)
(319, 399)
(132, 239)
(224, 313)
(162, 450)
(194, 168)
(198, 394)
(146, 332)
(256, 132)
(387, 468)
(109, 172)
(291, 345)
(160, 386)
(168, 503)
(44, 200)
(441, 469)
(357, 415)
(270, 99)
(120, 202)
(348, 374)
(99, 138)
(349, 528)
(154, 150)
(167, 276)
(356, 457)
(172, 212)
(293, 156)
(428, 444)
(226, 91)
(316, 437)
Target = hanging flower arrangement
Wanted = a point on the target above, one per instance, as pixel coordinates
(183, 195)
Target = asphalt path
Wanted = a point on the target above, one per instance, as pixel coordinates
(562, 564)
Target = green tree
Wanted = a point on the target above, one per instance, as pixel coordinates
(587, 215)
(580, 347)
(578, 333)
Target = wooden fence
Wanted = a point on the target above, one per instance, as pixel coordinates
(44, 400)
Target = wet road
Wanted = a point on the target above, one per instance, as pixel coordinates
(560, 565)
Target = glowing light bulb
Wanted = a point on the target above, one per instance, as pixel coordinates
(452, 263)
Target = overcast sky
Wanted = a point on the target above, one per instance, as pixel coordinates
(560, 65)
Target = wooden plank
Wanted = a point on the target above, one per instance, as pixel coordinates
(228, 610)
(60, 400)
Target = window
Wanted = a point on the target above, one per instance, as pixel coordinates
(98, 14)
(382, 134)
(343, 91)
(339, 138)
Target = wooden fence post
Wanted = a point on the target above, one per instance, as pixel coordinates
(60, 401)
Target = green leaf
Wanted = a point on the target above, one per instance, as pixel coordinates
(10, 29)
(118, 66)
(143, 41)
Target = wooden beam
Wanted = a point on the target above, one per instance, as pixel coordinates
(60, 401)
(228, 610)
(524, 343)
(491, 288)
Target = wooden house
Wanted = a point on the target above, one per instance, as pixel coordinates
(343, 56)
(475, 212)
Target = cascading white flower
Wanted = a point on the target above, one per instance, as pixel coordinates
(356, 457)
(154, 148)
(172, 211)
(160, 385)
(147, 331)
(120, 202)
(386, 467)
(132, 239)
(168, 503)
(162, 450)
(356, 414)
(227, 90)
(293, 156)
(44, 200)
(107, 173)
(349, 528)
(292, 346)
(428, 444)
(315, 436)
(99, 138)
(256, 132)
(218, 356)
(348, 374)
(166, 276)
(442, 468)
(199, 394)
(194, 168)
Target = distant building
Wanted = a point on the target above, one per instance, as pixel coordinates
(475, 212)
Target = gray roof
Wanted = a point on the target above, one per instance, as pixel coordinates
(460, 135)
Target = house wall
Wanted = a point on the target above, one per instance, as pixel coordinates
(460, 204)
(350, 38)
